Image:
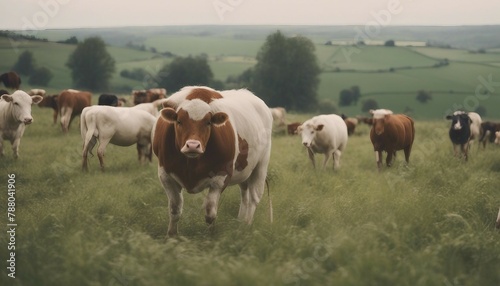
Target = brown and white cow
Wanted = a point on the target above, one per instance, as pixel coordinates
(71, 104)
(15, 114)
(292, 128)
(212, 139)
(390, 133)
(122, 126)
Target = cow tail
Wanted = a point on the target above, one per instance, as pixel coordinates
(88, 127)
(271, 218)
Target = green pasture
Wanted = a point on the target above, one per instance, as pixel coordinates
(428, 223)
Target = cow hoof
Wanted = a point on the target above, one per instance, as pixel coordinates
(209, 220)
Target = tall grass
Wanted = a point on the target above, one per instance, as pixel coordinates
(429, 223)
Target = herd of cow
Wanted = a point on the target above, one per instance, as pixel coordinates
(205, 138)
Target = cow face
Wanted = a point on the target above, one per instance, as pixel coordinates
(459, 120)
(378, 125)
(193, 127)
(308, 132)
(21, 105)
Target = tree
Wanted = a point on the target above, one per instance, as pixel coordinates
(41, 76)
(390, 43)
(423, 96)
(345, 97)
(356, 94)
(369, 104)
(91, 65)
(185, 71)
(25, 64)
(287, 73)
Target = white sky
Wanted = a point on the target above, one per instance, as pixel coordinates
(48, 14)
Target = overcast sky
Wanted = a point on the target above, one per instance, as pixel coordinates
(49, 14)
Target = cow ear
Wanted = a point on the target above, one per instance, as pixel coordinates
(449, 117)
(7, 97)
(168, 114)
(319, 127)
(299, 129)
(168, 103)
(219, 118)
(36, 99)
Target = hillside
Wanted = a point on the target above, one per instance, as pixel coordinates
(390, 75)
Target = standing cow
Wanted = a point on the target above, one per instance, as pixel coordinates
(390, 133)
(11, 80)
(325, 134)
(15, 114)
(122, 126)
(71, 104)
(464, 128)
(279, 114)
(212, 139)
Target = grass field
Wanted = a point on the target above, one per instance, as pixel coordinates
(431, 223)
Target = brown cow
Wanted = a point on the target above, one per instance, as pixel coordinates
(390, 133)
(50, 101)
(212, 139)
(11, 80)
(71, 103)
(150, 95)
(292, 128)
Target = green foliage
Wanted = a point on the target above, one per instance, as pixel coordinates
(91, 65)
(286, 73)
(419, 224)
(71, 41)
(423, 96)
(40, 77)
(345, 97)
(185, 71)
(25, 64)
(327, 106)
(390, 43)
(368, 104)
(137, 73)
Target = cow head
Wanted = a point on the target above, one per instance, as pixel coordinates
(193, 122)
(459, 120)
(21, 105)
(308, 132)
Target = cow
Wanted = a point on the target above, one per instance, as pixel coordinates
(15, 114)
(122, 126)
(71, 103)
(488, 130)
(464, 128)
(150, 95)
(351, 123)
(292, 128)
(50, 101)
(391, 132)
(107, 99)
(122, 102)
(497, 137)
(37, 91)
(11, 80)
(279, 114)
(213, 139)
(324, 134)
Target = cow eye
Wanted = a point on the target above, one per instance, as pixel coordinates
(209, 123)
(178, 122)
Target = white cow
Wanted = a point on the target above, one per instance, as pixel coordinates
(475, 126)
(325, 134)
(279, 114)
(15, 114)
(122, 126)
(497, 137)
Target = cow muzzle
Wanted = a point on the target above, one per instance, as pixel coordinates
(28, 120)
(192, 149)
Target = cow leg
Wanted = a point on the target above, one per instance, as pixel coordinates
(15, 146)
(378, 159)
(465, 149)
(245, 199)
(336, 159)
(388, 159)
(54, 116)
(211, 204)
(311, 157)
(103, 142)
(327, 157)
(175, 200)
(256, 184)
(407, 152)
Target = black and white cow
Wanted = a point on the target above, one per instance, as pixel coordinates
(464, 128)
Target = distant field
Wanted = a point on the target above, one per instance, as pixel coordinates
(231, 53)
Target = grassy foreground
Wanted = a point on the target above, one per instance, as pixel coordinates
(431, 223)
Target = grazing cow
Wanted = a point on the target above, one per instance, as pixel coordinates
(464, 128)
(71, 103)
(107, 99)
(351, 123)
(15, 114)
(325, 134)
(497, 137)
(122, 126)
(488, 130)
(150, 95)
(390, 133)
(50, 101)
(213, 139)
(11, 80)
(292, 128)
(498, 219)
(279, 114)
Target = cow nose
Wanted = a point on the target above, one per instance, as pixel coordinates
(305, 144)
(192, 147)
(28, 121)
(192, 144)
